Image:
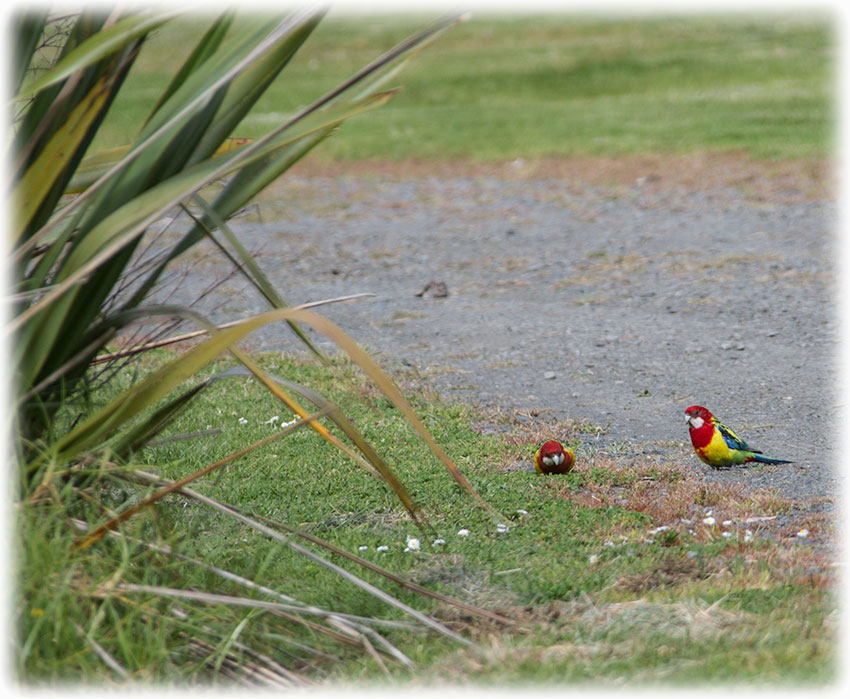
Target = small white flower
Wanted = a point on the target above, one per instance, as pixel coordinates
(662, 528)
(649, 541)
(438, 542)
(726, 535)
(383, 548)
(412, 543)
(522, 512)
(709, 521)
(272, 420)
(803, 533)
(593, 559)
(748, 535)
(727, 523)
(362, 548)
(685, 521)
(463, 532)
(609, 544)
(243, 421)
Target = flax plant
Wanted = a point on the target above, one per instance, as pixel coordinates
(80, 218)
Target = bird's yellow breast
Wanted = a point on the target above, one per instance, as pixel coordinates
(716, 452)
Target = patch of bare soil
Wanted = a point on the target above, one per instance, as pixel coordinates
(802, 179)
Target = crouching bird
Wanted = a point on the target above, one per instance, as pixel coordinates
(553, 457)
(717, 445)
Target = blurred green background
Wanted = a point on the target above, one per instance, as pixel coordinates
(499, 87)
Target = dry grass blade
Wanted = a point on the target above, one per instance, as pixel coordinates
(277, 536)
(391, 391)
(354, 622)
(359, 638)
(378, 466)
(205, 597)
(130, 351)
(477, 611)
(101, 653)
(294, 406)
(98, 533)
(250, 674)
(352, 625)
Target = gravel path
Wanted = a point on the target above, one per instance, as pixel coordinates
(617, 305)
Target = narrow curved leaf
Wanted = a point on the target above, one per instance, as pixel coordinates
(380, 468)
(97, 47)
(40, 178)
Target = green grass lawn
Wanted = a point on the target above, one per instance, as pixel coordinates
(612, 572)
(496, 88)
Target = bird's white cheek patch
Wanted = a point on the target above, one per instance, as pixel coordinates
(548, 460)
(697, 422)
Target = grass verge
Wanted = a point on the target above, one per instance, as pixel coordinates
(631, 569)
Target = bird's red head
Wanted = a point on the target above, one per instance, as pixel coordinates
(696, 416)
(553, 457)
(551, 448)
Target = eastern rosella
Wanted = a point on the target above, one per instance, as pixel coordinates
(553, 457)
(717, 445)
